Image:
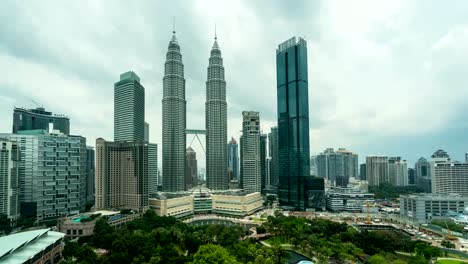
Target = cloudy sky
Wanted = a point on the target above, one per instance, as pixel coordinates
(385, 77)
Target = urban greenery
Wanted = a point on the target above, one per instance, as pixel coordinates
(450, 224)
(388, 191)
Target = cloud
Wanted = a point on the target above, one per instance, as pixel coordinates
(385, 77)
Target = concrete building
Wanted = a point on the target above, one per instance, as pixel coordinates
(191, 173)
(422, 208)
(233, 160)
(237, 205)
(263, 160)
(39, 118)
(9, 179)
(337, 166)
(377, 170)
(347, 199)
(293, 122)
(448, 177)
(216, 122)
(273, 152)
(250, 152)
(41, 246)
(313, 166)
(397, 171)
(121, 175)
(52, 173)
(176, 205)
(153, 181)
(173, 120)
(90, 174)
(129, 108)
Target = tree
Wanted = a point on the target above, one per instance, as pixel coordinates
(5, 224)
(447, 244)
(103, 234)
(213, 254)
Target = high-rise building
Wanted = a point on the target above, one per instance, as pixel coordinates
(362, 172)
(146, 137)
(337, 166)
(129, 108)
(448, 177)
(173, 120)
(52, 173)
(39, 118)
(9, 180)
(250, 152)
(422, 168)
(152, 169)
(397, 171)
(273, 151)
(216, 123)
(121, 175)
(293, 122)
(191, 172)
(411, 176)
(377, 170)
(263, 160)
(90, 174)
(233, 160)
(466, 157)
(313, 165)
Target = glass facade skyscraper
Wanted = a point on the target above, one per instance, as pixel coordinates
(233, 160)
(273, 152)
(39, 118)
(293, 122)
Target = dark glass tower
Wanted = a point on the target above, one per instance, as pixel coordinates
(293, 123)
(39, 118)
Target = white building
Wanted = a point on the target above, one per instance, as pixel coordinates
(347, 199)
(398, 171)
(250, 152)
(448, 177)
(422, 208)
(9, 179)
(377, 170)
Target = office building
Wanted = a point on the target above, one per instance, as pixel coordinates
(36, 246)
(273, 152)
(423, 208)
(90, 176)
(153, 181)
(293, 122)
(52, 173)
(233, 160)
(313, 166)
(337, 166)
(146, 137)
(377, 170)
(9, 179)
(173, 120)
(121, 175)
(263, 160)
(397, 171)
(129, 108)
(250, 152)
(314, 194)
(191, 173)
(216, 123)
(39, 118)
(411, 176)
(348, 199)
(448, 177)
(362, 172)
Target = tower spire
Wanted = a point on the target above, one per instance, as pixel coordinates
(216, 37)
(173, 25)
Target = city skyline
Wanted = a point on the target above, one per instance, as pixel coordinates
(339, 117)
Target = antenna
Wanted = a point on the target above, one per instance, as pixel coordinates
(216, 37)
(173, 24)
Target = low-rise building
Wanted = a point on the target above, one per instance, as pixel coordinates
(37, 246)
(422, 208)
(177, 205)
(237, 204)
(348, 199)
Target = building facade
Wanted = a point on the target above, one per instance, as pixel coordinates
(216, 123)
(397, 171)
(9, 179)
(377, 170)
(448, 177)
(273, 152)
(90, 174)
(129, 108)
(250, 152)
(121, 175)
(347, 199)
(152, 169)
(263, 161)
(52, 173)
(293, 122)
(233, 160)
(362, 172)
(39, 118)
(337, 166)
(191, 173)
(174, 120)
(422, 208)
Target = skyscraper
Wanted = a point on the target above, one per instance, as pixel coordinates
(293, 122)
(250, 152)
(273, 151)
(90, 174)
(191, 172)
(411, 176)
(9, 179)
(377, 170)
(362, 172)
(263, 160)
(337, 166)
(129, 108)
(146, 137)
(233, 159)
(173, 120)
(39, 118)
(216, 123)
(397, 171)
(152, 169)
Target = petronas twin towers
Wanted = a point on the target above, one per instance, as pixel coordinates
(174, 121)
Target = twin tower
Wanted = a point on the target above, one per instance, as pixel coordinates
(174, 121)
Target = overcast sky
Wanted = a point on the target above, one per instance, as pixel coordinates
(385, 77)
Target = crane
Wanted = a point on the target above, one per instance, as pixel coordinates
(449, 235)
